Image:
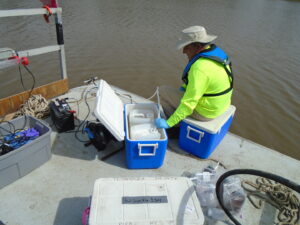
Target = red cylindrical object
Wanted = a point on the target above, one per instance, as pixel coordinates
(16, 58)
(24, 61)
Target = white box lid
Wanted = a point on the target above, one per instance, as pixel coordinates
(109, 110)
(215, 125)
(109, 207)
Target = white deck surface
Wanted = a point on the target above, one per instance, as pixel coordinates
(57, 192)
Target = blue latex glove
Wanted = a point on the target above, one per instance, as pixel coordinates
(182, 89)
(161, 123)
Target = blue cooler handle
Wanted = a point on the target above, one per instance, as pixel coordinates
(140, 146)
(201, 134)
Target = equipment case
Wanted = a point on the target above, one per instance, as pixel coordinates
(111, 112)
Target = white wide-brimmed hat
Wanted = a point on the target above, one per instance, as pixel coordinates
(194, 34)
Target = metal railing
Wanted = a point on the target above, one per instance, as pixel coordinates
(57, 12)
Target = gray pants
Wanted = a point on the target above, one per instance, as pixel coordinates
(170, 99)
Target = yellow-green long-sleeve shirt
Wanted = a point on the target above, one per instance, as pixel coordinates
(205, 77)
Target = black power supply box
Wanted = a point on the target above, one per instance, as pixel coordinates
(61, 115)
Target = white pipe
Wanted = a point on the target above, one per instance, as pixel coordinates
(38, 51)
(27, 12)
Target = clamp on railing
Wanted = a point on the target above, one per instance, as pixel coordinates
(49, 13)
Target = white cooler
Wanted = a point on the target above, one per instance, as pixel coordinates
(145, 201)
(145, 144)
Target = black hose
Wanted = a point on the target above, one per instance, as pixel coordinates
(276, 178)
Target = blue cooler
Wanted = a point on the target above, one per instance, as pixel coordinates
(142, 152)
(201, 138)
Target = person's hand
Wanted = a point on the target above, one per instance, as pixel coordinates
(161, 123)
(182, 89)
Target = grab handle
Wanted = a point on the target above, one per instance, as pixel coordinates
(200, 134)
(146, 151)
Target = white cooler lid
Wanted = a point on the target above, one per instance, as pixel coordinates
(145, 201)
(214, 125)
(109, 110)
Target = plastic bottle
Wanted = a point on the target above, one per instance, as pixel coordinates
(216, 213)
(145, 131)
(141, 116)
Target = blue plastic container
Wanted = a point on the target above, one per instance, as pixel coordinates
(201, 138)
(144, 154)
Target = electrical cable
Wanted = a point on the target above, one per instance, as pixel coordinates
(81, 126)
(12, 140)
(24, 124)
(2, 138)
(83, 123)
(128, 96)
(30, 107)
(33, 78)
(21, 77)
(11, 125)
(77, 103)
(276, 178)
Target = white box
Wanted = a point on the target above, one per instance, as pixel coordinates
(145, 201)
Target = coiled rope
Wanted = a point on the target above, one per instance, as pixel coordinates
(277, 195)
(36, 106)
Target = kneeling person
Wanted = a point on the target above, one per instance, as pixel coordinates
(207, 81)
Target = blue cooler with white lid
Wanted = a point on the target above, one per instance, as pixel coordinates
(145, 145)
(201, 138)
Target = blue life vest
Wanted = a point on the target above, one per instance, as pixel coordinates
(216, 54)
